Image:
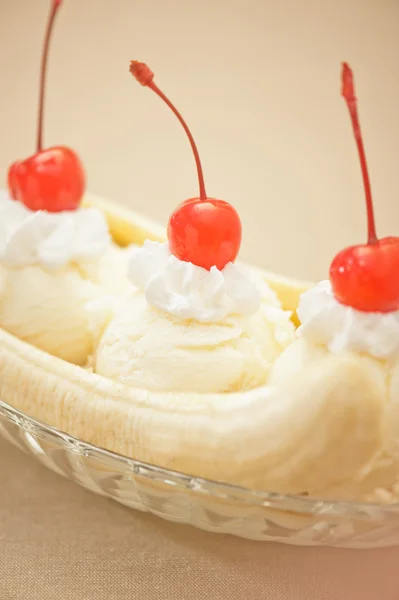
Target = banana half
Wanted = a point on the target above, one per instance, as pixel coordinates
(304, 436)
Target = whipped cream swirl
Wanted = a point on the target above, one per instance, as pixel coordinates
(187, 291)
(50, 240)
(326, 321)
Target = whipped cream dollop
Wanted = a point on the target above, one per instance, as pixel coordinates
(326, 321)
(187, 291)
(50, 240)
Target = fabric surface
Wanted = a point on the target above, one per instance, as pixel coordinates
(58, 541)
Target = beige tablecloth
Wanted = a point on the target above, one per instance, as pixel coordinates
(59, 542)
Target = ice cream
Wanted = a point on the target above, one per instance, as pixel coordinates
(373, 338)
(189, 329)
(329, 326)
(59, 276)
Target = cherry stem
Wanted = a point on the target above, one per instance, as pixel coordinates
(348, 92)
(145, 76)
(43, 71)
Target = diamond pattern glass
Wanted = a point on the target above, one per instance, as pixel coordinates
(212, 506)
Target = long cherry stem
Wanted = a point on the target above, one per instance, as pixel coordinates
(43, 72)
(348, 92)
(145, 76)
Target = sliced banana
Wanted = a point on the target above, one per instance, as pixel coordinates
(307, 434)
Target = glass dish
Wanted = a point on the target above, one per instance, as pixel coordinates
(208, 505)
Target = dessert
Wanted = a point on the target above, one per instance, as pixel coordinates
(220, 419)
(273, 437)
(356, 312)
(195, 321)
(58, 269)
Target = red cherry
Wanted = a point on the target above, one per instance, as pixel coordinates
(52, 179)
(366, 276)
(203, 231)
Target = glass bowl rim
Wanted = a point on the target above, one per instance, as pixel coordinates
(303, 505)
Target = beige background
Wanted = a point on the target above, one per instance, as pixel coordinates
(259, 84)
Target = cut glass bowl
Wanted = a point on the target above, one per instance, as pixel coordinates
(208, 505)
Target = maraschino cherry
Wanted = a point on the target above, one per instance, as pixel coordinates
(52, 179)
(203, 231)
(366, 277)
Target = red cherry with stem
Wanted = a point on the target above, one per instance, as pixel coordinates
(203, 231)
(52, 179)
(366, 276)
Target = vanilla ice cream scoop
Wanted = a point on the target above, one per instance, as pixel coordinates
(59, 278)
(192, 329)
(329, 327)
(58, 312)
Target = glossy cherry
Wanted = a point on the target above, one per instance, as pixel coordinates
(202, 230)
(366, 276)
(52, 179)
